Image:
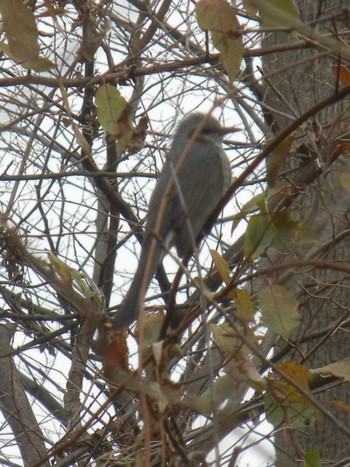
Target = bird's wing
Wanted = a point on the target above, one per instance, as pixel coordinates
(201, 180)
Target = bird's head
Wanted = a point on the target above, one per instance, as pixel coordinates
(203, 128)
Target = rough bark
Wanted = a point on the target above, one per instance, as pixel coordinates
(296, 81)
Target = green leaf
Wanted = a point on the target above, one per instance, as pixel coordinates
(62, 270)
(22, 35)
(312, 458)
(113, 113)
(219, 17)
(295, 415)
(274, 413)
(249, 207)
(279, 309)
(290, 233)
(217, 392)
(259, 235)
(73, 279)
(257, 203)
(275, 12)
(82, 283)
(282, 7)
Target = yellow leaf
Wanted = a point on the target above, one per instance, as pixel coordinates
(300, 373)
(244, 305)
(221, 266)
(238, 364)
(283, 401)
(339, 369)
(344, 178)
(219, 17)
(277, 159)
(155, 392)
(81, 140)
(251, 9)
(22, 35)
(152, 324)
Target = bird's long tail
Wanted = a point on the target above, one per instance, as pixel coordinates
(129, 311)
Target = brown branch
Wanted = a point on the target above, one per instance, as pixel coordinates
(126, 72)
(15, 405)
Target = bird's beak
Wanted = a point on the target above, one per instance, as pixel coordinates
(229, 129)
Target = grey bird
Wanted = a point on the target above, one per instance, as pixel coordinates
(195, 176)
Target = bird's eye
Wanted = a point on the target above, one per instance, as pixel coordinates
(205, 131)
(210, 130)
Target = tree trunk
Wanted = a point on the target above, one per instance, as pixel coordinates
(296, 81)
